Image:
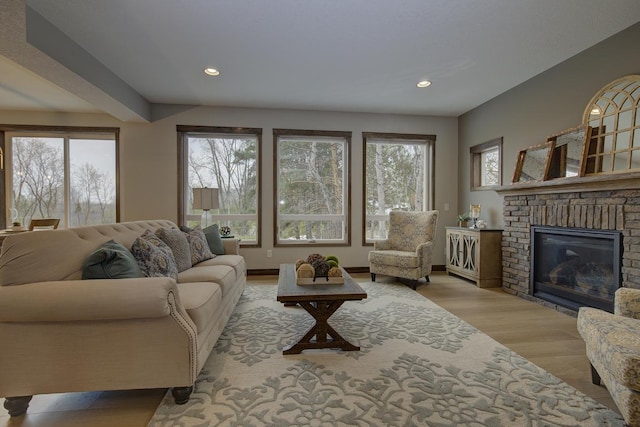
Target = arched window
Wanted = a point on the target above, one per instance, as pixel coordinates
(614, 116)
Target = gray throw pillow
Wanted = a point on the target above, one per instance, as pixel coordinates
(214, 240)
(198, 244)
(154, 257)
(179, 245)
(110, 261)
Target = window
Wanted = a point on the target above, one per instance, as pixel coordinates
(311, 176)
(398, 174)
(66, 173)
(486, 164)
(227, 159)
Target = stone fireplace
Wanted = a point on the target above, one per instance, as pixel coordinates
(587, 203)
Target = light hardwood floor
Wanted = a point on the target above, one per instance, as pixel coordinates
(543, 336)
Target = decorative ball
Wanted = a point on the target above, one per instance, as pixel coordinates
(332, 257)
(335, 272)
(299, 263)
(332, 263)
(321, 267)
(314, 257)
(225, 230)
(306, 271)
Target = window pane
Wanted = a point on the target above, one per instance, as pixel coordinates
(37, 178)
(92, 177)
(311, 189)
(229, 163)
(396, 176)
(490, 167)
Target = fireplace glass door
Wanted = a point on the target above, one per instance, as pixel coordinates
(575, 267)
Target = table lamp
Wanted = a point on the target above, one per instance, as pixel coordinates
(206, 199)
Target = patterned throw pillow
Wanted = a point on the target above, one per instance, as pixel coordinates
(198, 244)
(154, 256)
(179, 245)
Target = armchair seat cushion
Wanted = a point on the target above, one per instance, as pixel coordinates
(613, 342)
(400, 259)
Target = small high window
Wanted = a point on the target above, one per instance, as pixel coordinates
(486, 165)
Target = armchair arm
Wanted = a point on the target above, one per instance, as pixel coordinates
(424, 248)
(84, 300)
(627, 302)
(381, 245)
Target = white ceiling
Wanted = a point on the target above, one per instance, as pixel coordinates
(338, 55)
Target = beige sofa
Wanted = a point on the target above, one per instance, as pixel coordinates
(61, 334)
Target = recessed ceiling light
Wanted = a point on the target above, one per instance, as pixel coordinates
(424, 83)
(210, 71)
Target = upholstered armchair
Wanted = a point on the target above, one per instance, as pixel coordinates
(613, 348)
(408, 250)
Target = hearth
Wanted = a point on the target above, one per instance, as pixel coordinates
(575, 267)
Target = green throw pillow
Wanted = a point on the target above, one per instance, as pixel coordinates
(110, 261)
(214, 240)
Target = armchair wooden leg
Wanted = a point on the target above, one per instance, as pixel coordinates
(373, 277)
(427, 278)
(17, 405)
(595, 376)
(181, 394)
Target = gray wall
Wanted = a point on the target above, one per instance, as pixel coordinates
(149, 165)
(546, 104)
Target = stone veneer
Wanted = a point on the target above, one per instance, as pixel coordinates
(597, 210)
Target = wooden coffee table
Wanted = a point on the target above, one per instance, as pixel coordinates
(320, 301)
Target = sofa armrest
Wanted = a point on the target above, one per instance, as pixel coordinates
(424, 248)
(83, 300)
(627, 302)
(231, 246)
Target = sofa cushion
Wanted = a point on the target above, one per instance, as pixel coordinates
(177, 241)
(202, 301)
(235, 261)
(214, 240)
(110, 261)
(223, 275)
(154, 256)
(198, 245)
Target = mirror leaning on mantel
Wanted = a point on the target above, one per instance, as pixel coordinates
(569, 152)
(533, 163)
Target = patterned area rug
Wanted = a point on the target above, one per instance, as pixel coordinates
(419, 365)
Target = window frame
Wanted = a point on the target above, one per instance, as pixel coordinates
(183, 132)
(68, 132)
(477, 167)
(429, 184)
(308, 134)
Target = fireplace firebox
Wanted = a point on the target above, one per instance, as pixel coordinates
(575, 267)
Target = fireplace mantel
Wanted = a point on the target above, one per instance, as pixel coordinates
(600, 182)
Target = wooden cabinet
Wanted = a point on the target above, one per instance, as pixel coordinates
(475, 254)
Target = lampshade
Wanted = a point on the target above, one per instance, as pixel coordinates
(205, 198)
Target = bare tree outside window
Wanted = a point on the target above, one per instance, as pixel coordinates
(226, 159)
(62, 177)
(398, 172)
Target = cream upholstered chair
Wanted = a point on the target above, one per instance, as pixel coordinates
(613, 349)
(407, 252)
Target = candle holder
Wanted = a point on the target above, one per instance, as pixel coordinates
(474, 213)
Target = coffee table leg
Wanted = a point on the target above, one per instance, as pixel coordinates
(321, 312)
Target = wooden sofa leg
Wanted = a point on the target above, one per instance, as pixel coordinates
(373, 277)
(181, 394)
(595, 376)
(427, 278)
(17, 405)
